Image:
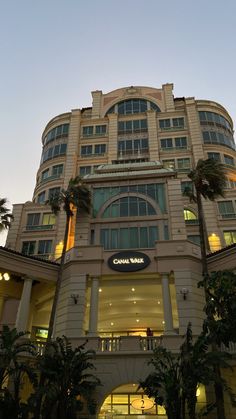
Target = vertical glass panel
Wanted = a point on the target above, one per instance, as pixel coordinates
(115, 209)
(104, 238)
(124, 238)
(133, 207)
(142, 207)
(134, 242)
(143, 237)
(166, 232)
(153, 236)
(124, 211)
(114, 238)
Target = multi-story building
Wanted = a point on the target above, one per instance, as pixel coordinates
(134, 261)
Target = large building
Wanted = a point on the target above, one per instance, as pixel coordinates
(134, 262)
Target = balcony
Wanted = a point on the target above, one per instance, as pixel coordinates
(40, 227)
(227, 216)
(49, 178)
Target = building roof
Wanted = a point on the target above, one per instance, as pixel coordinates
(5, 249)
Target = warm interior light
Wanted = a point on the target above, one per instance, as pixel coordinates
(100, 289)
(112, 324)
(0, 276)
(6, 276)
(137, 320)
(198, 392)
(133, 289)
(134, 302)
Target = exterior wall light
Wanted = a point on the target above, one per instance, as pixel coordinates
(5, 276)
(184, 292)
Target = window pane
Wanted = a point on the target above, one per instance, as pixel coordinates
(124, 238)
(143, 237)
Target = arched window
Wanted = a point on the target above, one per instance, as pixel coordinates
(190, 217)
(130, 206)
(132, 106)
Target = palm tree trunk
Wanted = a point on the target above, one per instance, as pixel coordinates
(59, 280)
(54, 307)
(219, 395)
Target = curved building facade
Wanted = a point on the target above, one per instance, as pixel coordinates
(134, 262)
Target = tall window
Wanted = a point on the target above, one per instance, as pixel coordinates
(49, 219)
(28, 248)
(57, 170)
(230, 237)
(129, 127)
(229, 160)
(133, 146)
(86, 150)
(52, 192)
(45, 174)
(44, 247)
(166, 143)
(100, 129)
(100, 149)
(41, 197)
(33, 219)
(85, 170)
(88, 131)
(190, 217)
(214, 156)
(129, 237)
(183, 164)
(226, 209)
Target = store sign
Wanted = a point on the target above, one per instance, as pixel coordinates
(142, 404)
(128, 261)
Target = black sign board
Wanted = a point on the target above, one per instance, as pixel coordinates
(128, 261)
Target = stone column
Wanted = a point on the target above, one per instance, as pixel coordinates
(24, 306)
(167, 307)
(93, 314)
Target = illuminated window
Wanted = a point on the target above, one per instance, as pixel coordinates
(49, 219)
(190, 217)
(230, 237)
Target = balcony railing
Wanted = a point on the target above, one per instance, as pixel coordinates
(40, 227)
(52, 177)
(226, 216)
(115, 344)
(192, 222)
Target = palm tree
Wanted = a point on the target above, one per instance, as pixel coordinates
(5, 215)
(209, 180)
(75, 197)
(68, 384)
(14, 346)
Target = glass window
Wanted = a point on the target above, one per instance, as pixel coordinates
(57, 170)
(100, 149)
(45, 174)
(166, 143)
(169, 164)
(229, 160)
(178, 122)
(129, 238)
(53, 192)
(194, 238)
(86, 150)
(133, 106)
(214, 156)
(230, 237)
(189, 216)
(44, 247)
(41, 197)
(164, 123)
(183, 163)
(28, 248)
(143, 237)
(100, 129)
(186, 185)
(87, 131)
(33, 219)
(181, 142)
(85, 170)
(129, 207)
(226, 209)
(58, 132)
(49, 219)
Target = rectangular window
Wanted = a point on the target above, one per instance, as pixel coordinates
(28, 248)
(178, 122)
(86, 150)
(214, 156)
(44, 247)
(230, 237)
(183, 164)
(53, 192)
(186, 185)
(181, 142)
(169, 164)
(87, 131)
(33, 219)
(226, 209)
(45, 174)
(100, 149)
(164, 123)
(49, 219)
(101, 129)
(194, 238)
(127, 127)
(85, 170)
(57, 170)
(229, 160)
(166, 143)
(41, 197)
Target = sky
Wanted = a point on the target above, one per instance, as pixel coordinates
(55, 52)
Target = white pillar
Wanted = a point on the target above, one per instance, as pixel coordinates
(24, 306)
(93, 314)
(167, 307)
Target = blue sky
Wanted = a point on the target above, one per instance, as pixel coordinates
(55, 52)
